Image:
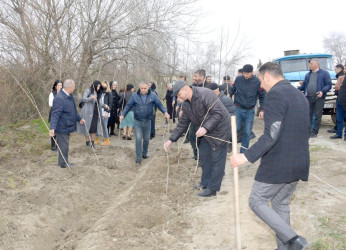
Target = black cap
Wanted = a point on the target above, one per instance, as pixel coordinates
(212, 86)
(178, 85)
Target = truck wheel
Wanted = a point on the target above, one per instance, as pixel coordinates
(333, 116)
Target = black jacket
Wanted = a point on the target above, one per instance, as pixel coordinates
(342, 94)
(115, 103)
(217, 122)
(247, 91)
(228, 103)
(108, 100)
(284, 146)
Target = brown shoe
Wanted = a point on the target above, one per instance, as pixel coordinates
(106, 142)
(128, 138)
(124, 137)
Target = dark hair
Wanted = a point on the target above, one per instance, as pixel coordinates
(94, 87)
(240, 71)
(248, 68)
(200, 72)
(54, 86)
(271, 68)
(340, 66)
(129, 87)
(153, 86)
(183, 77)
(227, 77)
(208, 76)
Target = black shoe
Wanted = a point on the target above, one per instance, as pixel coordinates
(65, 166)
(92, 144)
(332, 131)
(111, 133)
(138, 161)
(207, 193)
(87, 143)
(54, 148)
(335, 137)
(313, 135)
(297, 243)
(145, 156)
(128, 138)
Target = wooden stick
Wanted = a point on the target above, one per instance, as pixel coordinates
(236, 185)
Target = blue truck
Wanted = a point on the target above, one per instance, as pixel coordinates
(295, 66)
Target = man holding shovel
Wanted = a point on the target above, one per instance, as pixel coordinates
(284, 153)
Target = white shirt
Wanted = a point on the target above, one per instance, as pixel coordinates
(50, 100)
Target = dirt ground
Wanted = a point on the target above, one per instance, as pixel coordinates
(114, 204)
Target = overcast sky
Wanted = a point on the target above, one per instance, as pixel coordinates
(270, 27)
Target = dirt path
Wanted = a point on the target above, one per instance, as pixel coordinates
(45, 207)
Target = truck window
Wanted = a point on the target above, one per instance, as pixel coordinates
(294, 65)
(301, 64)
(326, 64)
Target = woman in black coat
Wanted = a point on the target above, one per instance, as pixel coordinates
(114, 118)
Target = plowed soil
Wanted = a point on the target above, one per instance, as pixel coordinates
(109, 202)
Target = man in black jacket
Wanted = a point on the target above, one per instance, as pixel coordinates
(284, 153)
(208, 115)
(247, 89)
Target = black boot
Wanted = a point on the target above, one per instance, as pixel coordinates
(92, 144)
(87, 143)
(297, 243)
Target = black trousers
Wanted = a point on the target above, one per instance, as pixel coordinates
(213, 164)
(114, 119)
(316, 107)
(192, 139)
(63, 143)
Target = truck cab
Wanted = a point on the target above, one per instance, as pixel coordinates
(295, 67)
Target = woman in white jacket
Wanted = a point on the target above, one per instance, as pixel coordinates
(57, 86)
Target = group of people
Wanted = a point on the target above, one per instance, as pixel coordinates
(284, 150)
(204, 110)
(101, 108)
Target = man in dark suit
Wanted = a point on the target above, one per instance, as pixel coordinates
(284, 153)
(64, 120)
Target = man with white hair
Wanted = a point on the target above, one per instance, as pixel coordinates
(315, 86)
(170, 102)
(143, 103)
(64, 120)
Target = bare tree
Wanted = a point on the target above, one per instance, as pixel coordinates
(44, 40)
(335, 44)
